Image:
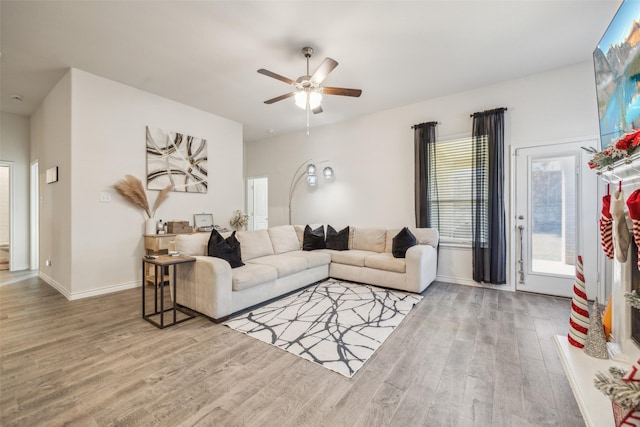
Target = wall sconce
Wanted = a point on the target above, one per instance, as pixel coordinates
(312, 179)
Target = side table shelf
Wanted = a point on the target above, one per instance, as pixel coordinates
(161, 264)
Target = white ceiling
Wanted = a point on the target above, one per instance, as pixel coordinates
(206, 53)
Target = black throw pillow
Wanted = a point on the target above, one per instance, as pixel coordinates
(403, 241)
(313, 239)
(228, 249)
(337, 240)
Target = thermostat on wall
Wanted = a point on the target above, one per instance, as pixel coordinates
(52, 175)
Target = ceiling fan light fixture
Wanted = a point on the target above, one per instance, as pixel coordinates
(314, 97)
(312, 180)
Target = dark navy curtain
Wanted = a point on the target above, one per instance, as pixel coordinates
(425, 160)
(489, 245)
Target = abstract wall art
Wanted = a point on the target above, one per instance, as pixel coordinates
(177, 159)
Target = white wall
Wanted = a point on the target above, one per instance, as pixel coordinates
(373, 159)
(107, 141)
(14, 147)
(51, 146)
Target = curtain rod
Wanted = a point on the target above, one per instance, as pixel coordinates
(423, 124)
(489, 111)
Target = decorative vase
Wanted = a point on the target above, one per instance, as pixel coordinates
(150, 226)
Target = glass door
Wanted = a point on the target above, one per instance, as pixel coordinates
(549, 213)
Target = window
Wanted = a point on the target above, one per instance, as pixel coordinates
(450, 189)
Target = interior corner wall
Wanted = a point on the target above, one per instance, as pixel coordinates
(108, 142)
(373, 158)
(14, 147)
(51, 146)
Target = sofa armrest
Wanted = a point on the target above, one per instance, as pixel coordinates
(205, 286)
(421, 267)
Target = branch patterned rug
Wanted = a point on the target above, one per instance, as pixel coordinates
(335, 324)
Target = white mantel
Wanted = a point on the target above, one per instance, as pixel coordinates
(580, 368)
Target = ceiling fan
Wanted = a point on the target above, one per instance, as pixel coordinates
(308, 88)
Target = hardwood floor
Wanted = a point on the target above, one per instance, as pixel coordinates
(463, 357)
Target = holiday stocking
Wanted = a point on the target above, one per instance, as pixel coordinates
(606, 227)
(633, 203)
(620, 231)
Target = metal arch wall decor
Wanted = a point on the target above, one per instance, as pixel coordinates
(176, 159)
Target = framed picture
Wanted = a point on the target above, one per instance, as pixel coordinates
(202, 220)
(617, 70)
(177, 159)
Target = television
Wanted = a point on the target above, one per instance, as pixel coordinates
(617, 71)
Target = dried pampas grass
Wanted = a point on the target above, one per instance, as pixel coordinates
(131, 189)
(162, 196)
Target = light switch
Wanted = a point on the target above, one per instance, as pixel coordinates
(105, 197)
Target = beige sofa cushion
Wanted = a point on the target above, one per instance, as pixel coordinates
(424, 236)
(284, 239)
(250, 275)
(192, 244)
(351, 257)
(369, 239)
(195, 244)
(313, 258)
(285, 265)
(254, 244)
(386, 262)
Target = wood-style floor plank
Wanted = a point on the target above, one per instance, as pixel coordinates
(464, 356)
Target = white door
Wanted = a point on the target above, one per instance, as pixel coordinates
(6, 175)
(35, 216)
(258, 203)
(556, 207)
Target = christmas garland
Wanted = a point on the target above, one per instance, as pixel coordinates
(625, 392)
(633, 299)
(621, 149)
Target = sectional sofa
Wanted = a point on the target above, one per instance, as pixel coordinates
(275, 264)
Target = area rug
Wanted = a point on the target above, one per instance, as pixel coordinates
(335, 324)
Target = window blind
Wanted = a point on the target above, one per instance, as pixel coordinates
(451, 189)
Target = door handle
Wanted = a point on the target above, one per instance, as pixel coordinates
(521, 260)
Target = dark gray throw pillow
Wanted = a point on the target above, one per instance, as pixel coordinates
(313, 239)
(403, 241)
(337, 240)
(228, 249)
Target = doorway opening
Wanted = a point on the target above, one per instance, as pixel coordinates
(6, 217)
(258, 203)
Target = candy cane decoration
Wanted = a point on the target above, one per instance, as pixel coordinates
(579, 318)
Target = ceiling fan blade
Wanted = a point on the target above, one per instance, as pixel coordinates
(279, 98)
(276, 76)
(341, 91)
(317, 110)
(323, 70)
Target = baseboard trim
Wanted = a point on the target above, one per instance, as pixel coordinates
(105, 290)
(91, 292)
(469, 282)
(21, 267)
(57, 286)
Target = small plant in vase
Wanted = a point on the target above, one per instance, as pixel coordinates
(131, 189)
(239, 220)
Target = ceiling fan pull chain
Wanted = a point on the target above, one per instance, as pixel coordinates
(308, 115)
